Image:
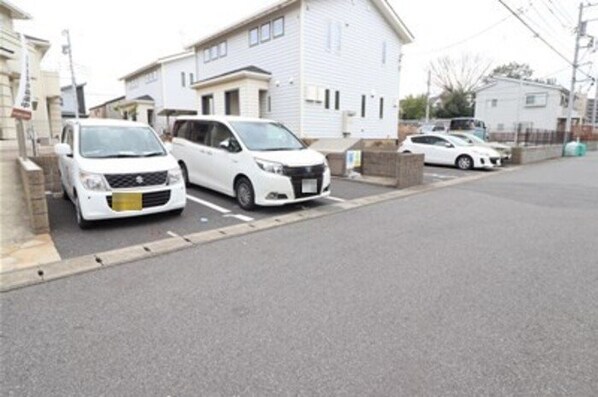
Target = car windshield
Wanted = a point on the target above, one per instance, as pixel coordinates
(457, 141)
(119, 141)
(261, 136)
(474, 139)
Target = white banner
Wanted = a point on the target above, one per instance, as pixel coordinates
(22, 107)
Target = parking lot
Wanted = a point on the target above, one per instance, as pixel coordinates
(206, 210)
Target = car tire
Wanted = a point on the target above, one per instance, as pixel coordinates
(81, 221)
(245, 194)
(464, 162)
(185, 174)
(65, 195)
(178, 211)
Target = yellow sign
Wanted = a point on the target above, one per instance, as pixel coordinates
(127, 202)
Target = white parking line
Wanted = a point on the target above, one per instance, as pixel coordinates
(338, 199)
(208, 204)
(240, 217)
(441, 176)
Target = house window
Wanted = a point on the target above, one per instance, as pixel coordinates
(337, 100)
(327, 99)
(265, 32)
(183, 79)
(206, 55)
(363, 106)
(222, 49)
(536, 100)
(278, 27)
(384, 53)
(254, 37)
(381, 108)
(191, 78)
(214, 52)
(207, 104)
(333, 43)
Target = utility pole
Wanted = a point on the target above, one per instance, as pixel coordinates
(595, 106)
(579, 33)
(428, 97)
(68, 49)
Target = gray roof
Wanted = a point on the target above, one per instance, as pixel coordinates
(251, 68)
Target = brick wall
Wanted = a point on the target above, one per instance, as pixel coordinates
(32, 177)
(406, 169)
(49, 164)
(379, 163)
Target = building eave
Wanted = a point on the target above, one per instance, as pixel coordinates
(15, 12)
(244, 74)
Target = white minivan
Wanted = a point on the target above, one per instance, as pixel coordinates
(258, 161)
(116, 169)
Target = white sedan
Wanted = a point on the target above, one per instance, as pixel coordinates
(448, 150)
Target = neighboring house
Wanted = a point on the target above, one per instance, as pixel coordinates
(505, 103)
(45, 86)
(310, 64)
(159, 91)
(591, 112)
(108, 109)
(68, 101)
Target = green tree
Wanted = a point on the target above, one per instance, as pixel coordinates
(413, 107)
(513, 70)
(456, 103)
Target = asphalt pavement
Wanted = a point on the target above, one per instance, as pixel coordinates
(484, 288)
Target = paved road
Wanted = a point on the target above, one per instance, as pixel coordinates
(486, 288)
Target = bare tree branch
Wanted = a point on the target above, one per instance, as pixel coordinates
(463, 74)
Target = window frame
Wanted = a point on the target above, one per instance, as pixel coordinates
(257, 36)
(262, 26)
(363, 106)
(381, 112)
(337, 100)
(206, 55)
(183, 79)
(214, 52)
(274, 35)
(221, 45)
(327, 98)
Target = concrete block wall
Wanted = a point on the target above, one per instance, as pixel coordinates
(49, 164)
(379, 163)
(410, 170)
(534, 154)
(32, 177)
(337, 163)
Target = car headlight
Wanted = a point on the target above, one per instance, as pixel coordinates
(270, 166)
(175, 176)
(480, 153)
(94, 182)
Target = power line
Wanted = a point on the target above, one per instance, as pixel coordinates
(562, 11)
(549, 7)
(539, 36)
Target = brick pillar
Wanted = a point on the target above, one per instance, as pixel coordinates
(8, 128)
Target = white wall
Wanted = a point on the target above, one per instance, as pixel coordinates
(278, 56)
(510, 97)
(355, 70)
(177, 96)
(143, 87)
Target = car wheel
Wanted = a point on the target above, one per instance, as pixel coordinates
(245, 194)
(464, 162)
(81, 221)
(177, 212)
(185, 174)
(65, 195)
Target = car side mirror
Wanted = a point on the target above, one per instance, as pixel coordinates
(448, 145)
(63, 149)
(225, 144)
(168, 146)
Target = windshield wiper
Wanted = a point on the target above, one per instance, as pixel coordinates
(277, 149)
(152, 154)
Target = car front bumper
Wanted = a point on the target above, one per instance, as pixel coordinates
(277, 190)
(96, 205)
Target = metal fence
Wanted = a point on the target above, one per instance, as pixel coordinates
(529, 137)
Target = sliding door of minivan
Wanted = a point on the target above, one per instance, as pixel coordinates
(224, 161)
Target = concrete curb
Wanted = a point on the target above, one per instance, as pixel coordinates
(56, 270)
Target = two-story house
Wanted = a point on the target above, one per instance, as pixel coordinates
(160, 90)
(68, 101)
(505, 103)
(324, 68)
(45, 84)
(108, 109)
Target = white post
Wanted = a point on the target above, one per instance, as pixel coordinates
(569, 123)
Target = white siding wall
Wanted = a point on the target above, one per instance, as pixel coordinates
(153, 89)
(278, 56)
(175, 95)
(355, 70)
(510, 96)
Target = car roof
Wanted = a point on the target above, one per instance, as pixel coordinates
(107, 122)
(229, 119)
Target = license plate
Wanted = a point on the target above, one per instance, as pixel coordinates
(126, 202)
(309, 186)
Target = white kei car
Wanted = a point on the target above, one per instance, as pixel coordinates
(115, 169)
(257, 161)
(444, 149)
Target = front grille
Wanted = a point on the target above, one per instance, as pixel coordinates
(298, 174)
(117, 181)
(494, 160)
(149, 200)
